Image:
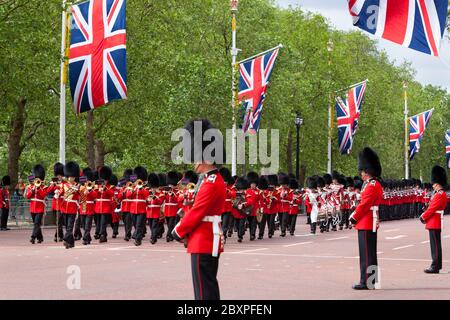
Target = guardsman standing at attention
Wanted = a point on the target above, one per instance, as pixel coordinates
(365, 217)
(433, 217)
(201, 224)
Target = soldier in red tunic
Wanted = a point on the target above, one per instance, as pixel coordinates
(201, 225)
(125, 208)
(285, 203)
(36, 193)
(154, 203)
(171, 203)
(138, 196)
(104, 203)
(87, 206)
(433, 217)
(365, 217)
(58, 171)
(296, 202)
(227, 217)
(70, 201)
(4, 203)
(252, 196)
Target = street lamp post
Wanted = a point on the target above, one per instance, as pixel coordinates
(330, 46)
(298, 124)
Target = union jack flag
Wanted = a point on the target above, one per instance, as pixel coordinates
(415, 24)
(418, 124)
(253, 81)
(348, 112)
(447, 147)
(97, 58)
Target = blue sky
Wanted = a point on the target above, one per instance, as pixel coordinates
(430, 70)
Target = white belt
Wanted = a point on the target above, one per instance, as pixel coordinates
(171, 204)
(138, 200)
(153, 206)
(217, 231)
(295, 205)
(374, 210)
(285, 201)
(89, 202)
(227, 200)
(38, 200)
(441, 212)
(103, 200)
(73, 201)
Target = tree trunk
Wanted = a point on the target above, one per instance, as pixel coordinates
(100, 153)
(14, 139)
(289, 157)
(90, 140)
(302, 175)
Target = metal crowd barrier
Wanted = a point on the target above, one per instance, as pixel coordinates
(19, 212)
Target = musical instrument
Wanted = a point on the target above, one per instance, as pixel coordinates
(139, 183)
(38, 182)
(89, 185)
(239, 204)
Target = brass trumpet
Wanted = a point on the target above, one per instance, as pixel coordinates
(38, 182)
(190, 186)
(89, 185)
(139, 183)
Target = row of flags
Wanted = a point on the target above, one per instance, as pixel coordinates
(98, 68)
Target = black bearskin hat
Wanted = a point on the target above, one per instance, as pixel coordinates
(193, 178)
(113, 180)
(89, 174)
(369, 162)
(272, 179)
(172, 178)
(349, 182)
(438, 175)
(358, 184)
(6, 181)
(252, 177)
(72, 169)
(127, 173)
(162, 179)
(194, 147)
(321, 182)
(293, 184)
(153, 180)
(58, 169)
(241, 184)
(105, 173)
(335, 175)
(39, 172)
(226, 174)
(262, 183)
(140, 173)
(327, 178)
(292, 176)
(283, 179)
(311, 182)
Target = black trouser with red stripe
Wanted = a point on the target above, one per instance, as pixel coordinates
(436, 249)
(368, 262)
(204, 276)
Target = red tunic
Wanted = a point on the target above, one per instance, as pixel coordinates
(231, 194)
(104, 200)
(69, 198)
(37, 198)
(252, 198)
(89, 209)
(202, 223)
(285, 199)
(434, 215)
(138, 200)
(171, 204)
(366, 213)
(125, 200)
(5, 197)
(296, 202)
(154, 205)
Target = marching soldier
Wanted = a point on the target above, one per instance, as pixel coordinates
(36, 193)
(312, 198)
(154, 203)
(4, 204)
(104, 203)
(58, 171)
(227, 217)
(296, 202)
(138, 196)
(433, 217)
(70, 203)
(264, 206)
(365, 217)
(125, 208)
(87, 205)
(241, 185)
(171, 203)
(252, 196)
(115, 205)
(285, 203)
(201, 225)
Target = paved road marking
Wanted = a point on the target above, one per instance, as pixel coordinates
(403, 247)
(296, 244)
(304, 235)
(391, 230)
(396, 237)
(427, 241)
(447, 236)
(250, 269)
(247, 251)
(340, 238)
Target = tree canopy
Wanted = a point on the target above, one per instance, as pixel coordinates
(179, 67)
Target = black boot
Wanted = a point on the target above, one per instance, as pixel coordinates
(360, 286)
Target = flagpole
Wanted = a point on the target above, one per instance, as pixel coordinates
(261, 54)
(330, 46)
(405, 87)
(62, 96)
(352, 86)
(234, 52)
